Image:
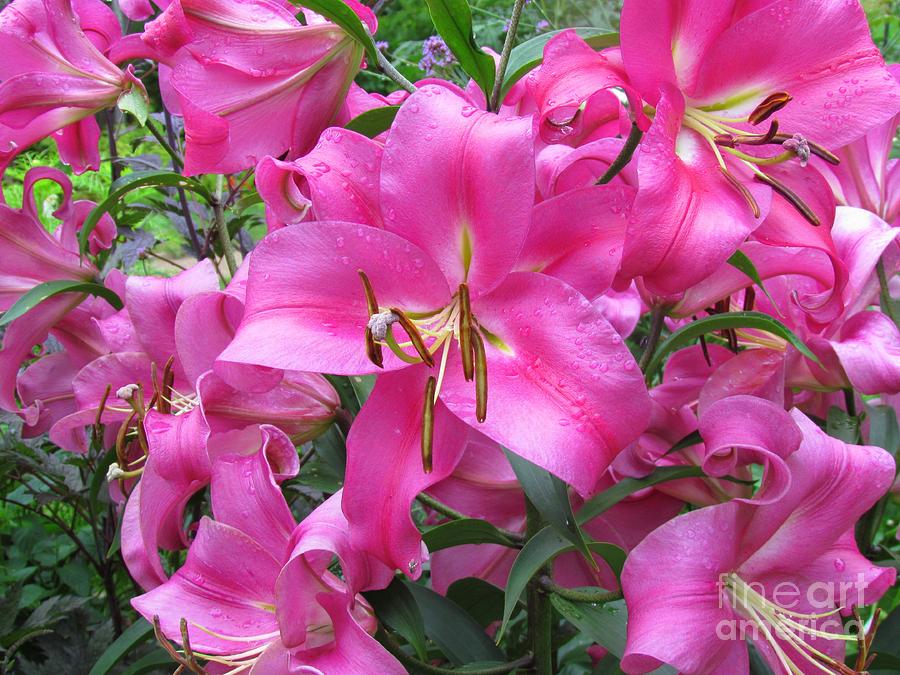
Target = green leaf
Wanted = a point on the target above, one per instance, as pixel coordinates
(464, 531)
(133, 181)
(154, 662)
(530, 54)
(687, 334)
(842, 426)
(343, 385)
(604, 624)
(740, 261)
(627, 486)
(456, 633)
(373, 122)
(340, 13)
(539, 550)
(453, 20)
(135, 101)
(362, 386)
(396, 607)
(550, 496)
(98, 480)
(50, 289)
(883, 430)
(139, 631)
(481, 600)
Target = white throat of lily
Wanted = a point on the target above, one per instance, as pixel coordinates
(428, 333)
(720, 132)
(779, 627)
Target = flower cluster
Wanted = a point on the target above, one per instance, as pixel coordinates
(507, 273)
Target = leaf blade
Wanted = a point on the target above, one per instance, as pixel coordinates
(49, 289)
(453, 21)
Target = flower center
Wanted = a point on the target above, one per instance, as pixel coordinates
(781, 627)
(726, 139)
(427, 333)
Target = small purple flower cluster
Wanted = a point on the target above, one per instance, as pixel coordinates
(435, 54)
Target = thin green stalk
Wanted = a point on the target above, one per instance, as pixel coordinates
(222, 228)
(504, 55)
(887, 303)
(388, 69)
(177, 162)
(579, 594)
(540, 612)
(621, 161)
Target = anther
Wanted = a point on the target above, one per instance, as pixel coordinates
(760, 139)
(791, 196)
(770, 105)
(481, 384)
(168, 381)
(373, 349)
(742, 190)
(465, 333)
(749, 298)
(799, 146)
(414, 336)
(428, 425)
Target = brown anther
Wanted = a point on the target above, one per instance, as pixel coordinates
(704, 348)
(465, 333)
(791, 196)
(816, 149)
(414, 336)
(186, 646)
(120, 438)
(373, 349)
(761, 139)
(727, 140)
(749, 298)
(171, 651)
(98, 423)
(742, 191)
(770, 105)
(428, 425)
(481, 383)
(165, 396)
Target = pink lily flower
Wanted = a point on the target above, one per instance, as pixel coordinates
(255, 591)
(32, 256)
(736, 432)
(187, 321)
(336, 180)
(858, 347)
(250, 79)
(54, 77)
(714, 72)
(777, 573)
(456, 189)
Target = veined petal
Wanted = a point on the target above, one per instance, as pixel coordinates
(578, 237)
(337, 180)
(384, 467)
(459, 182)
(869, 351)
(686, 220)
(227, 586)
(312, 316)
(245, 496)
(565, 392)
(78, 146)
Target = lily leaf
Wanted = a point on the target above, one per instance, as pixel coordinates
(374, 121)
(396, 607)
(340, 13)
(464, 531)
(50, 289)
(453, 20)
(708, 324)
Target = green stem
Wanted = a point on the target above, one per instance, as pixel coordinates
(416, 666)
(388, 69)
(579, 595)
(177, 162)
(222, 228)
(540, 613)
(504, 55)
(887, 303)
(657, 321)
(620, 162)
